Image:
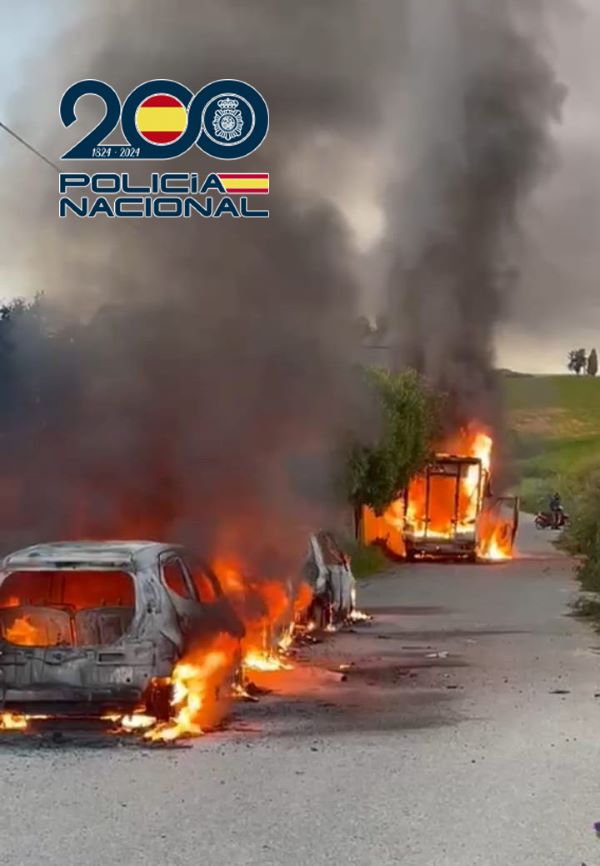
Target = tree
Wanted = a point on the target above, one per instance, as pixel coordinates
(409, 424)
(592, 363)
(577, 360)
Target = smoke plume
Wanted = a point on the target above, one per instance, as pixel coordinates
(476, 122)
(201, 396)
(199, 372)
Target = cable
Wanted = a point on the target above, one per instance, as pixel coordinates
(29, 147)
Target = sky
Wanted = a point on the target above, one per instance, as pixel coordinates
(555, 305)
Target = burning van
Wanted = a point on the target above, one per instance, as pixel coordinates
(95, 627)
(448, 509)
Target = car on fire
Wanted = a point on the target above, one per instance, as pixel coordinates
(96, 627)
(328, 572)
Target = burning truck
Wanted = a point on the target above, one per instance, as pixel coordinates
(448, 510)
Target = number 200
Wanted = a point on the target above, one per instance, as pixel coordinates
(194, 133)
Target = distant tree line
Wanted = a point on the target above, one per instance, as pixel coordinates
(580, 362)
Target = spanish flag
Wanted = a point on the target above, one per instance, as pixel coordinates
(245, 183)
(161, 119)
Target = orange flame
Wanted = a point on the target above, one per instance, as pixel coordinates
(438, 509)
(257, 660)
(268, 611)
(198, 682)
(434, 515)
(12, 722)
(22, 632)
(17, 721)
(495, 535)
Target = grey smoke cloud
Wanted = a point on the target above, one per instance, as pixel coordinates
(217, 373)
(558, 306)
(220, 364)
(482, 102)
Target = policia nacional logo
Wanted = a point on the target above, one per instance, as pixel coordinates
(161, 120)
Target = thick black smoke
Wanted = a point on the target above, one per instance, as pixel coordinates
(481, 99)
(213, 367)
(201, 399)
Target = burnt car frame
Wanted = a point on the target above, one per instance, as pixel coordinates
(94, 627)
(328, 572)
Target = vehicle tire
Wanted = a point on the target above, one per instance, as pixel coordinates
(411, 556)
(539, 523)
(158, 699)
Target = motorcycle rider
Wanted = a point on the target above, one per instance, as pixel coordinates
(556, 510)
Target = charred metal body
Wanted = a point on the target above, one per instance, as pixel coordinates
(447, 511)
(450, 535)
(327, 571)
(90, 627)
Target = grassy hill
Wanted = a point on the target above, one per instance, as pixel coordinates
(554, 423)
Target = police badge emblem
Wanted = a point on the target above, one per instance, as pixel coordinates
(235, 119)
(227, 121)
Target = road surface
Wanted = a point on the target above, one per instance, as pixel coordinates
(465, 732)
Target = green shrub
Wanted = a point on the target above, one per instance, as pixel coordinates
(408, 411)
(366, 559)
(583, 536)
(587, 608)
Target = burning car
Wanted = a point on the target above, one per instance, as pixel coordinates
(97, 627)
(327, 571)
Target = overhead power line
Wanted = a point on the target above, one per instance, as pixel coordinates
(29, 146)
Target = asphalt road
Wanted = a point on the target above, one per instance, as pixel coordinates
(444, 745)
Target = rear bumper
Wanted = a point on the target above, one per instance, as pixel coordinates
(70, 701)
(441, 548)
(94, 678)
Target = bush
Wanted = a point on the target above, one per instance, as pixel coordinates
(366, 559)
(583, 535)
(409, 424)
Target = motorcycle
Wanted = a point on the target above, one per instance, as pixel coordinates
(546, 520)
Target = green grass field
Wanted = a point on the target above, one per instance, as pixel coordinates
(554, 424)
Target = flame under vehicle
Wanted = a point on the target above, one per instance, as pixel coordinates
(448, 510)
(93, 627)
